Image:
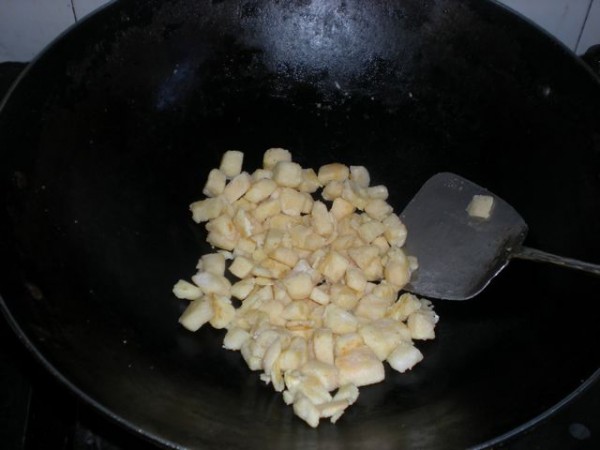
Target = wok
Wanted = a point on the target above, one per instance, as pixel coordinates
(110, 133)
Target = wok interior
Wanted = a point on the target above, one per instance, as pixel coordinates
(112, 132)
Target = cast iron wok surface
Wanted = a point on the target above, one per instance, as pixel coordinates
(110, 135)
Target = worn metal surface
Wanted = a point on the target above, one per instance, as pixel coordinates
(458, 254)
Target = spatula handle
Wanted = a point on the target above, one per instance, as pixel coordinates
(537, 255)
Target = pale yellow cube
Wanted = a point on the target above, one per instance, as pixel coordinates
(265, 293)
(346, 342)
(333, 172)
(260, 190)
(355, 279)
(343, 242)
(213, 263)
(308, 203)
(386, 291)
(294, 356)
(360, 175)
(378, 209)
(245, 246)
(241, 267)
(271, 355)
(292, 202)
(207, 209)
(274, 155)
(349, 225)
(382, 244)
(334, 408)
(371, 307)
(261, 174)
(242, 289)
(307, 411)
(215, 184)
(378, 192)
(299, 235)
(313, 389)
(287, 174)
(421, 325)
(360, 367)
(298, 285)
(304, 253)
(224, 226)
(321, 219)
(316, 315)
(310, 181)
(259, 271)
(374, 270)
(325, 374)
(241, 203)
(266, 209)
(323, 345)
(333, 266)
(219, 241)
(413, 263)
(404, 307)
(383, 336)
(235, 338)
(285, 256)
(355, 194)
(237, 187)
(254, 362)
(196, 314)
(481, 206)
(275, 269)
(231, 163)
(347, 392)
(319, 296)
(339, 320)
(277, 377)
(187, 291)
(397, 272)
(395, 230)
(212, 284)
(344, 296)
(364, 255)
(259, 254)
(371, 230)
(404, 357)
(274, 309)
(282, 222)
(223, 312)
(314, 242)
(332, 190)
(273, 239)
(342, 208)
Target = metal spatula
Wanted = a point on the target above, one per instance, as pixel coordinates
(459, 254)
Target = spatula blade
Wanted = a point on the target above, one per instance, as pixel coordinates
(458, 254)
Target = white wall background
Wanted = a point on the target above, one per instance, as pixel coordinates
(26, 26)
(574, 22)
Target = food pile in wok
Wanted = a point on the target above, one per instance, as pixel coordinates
(318, 286)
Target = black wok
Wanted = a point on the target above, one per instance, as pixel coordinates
(110, 133)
